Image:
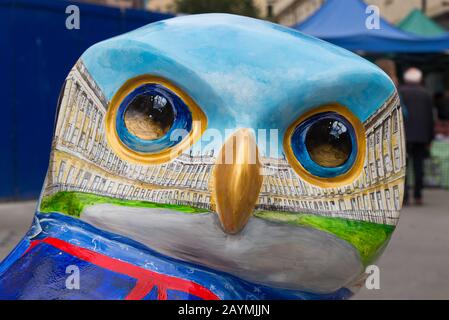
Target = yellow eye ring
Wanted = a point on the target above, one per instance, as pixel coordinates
(199, 123)
(360, 137)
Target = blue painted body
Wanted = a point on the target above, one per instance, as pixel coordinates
(25, 274)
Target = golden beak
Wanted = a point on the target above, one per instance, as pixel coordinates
(237, 181)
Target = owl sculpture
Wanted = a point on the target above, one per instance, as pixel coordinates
(214, 157)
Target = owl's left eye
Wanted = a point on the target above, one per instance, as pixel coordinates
(150, 120)
(149, 115)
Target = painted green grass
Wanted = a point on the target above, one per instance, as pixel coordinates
(368, 238)
(73, 203)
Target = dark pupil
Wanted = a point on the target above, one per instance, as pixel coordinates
(149, 116)
(329, 143)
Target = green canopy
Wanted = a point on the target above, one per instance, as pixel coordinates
(418, 23)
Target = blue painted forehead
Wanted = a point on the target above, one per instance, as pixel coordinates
(242, 72)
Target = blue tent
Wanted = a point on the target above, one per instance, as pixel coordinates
(343, 23)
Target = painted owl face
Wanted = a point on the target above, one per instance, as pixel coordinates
(235, 146)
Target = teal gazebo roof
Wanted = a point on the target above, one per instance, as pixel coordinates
(418, 23)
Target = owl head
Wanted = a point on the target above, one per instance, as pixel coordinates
(235, 145)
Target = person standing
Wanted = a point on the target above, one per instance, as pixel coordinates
(419, 128)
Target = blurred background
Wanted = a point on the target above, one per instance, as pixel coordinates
(38, 51)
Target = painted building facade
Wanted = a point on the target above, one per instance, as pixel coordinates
(83, 161)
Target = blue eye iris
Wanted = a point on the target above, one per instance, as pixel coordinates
(152, 118)
(325, 145)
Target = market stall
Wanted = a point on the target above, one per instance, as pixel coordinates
(351, 24)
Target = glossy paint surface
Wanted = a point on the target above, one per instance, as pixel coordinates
(243, 73)
(146, 218)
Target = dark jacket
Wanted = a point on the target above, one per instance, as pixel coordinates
(419, 124)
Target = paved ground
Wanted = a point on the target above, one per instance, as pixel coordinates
(15, 220)
(415, 264)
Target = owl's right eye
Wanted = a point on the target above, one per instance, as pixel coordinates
(329, 141)
(326, 145)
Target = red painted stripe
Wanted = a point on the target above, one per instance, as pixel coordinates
(146, 279)
(161, 293)
(32, 245)
(140, 290)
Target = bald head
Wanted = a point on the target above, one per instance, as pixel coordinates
(413, 76)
